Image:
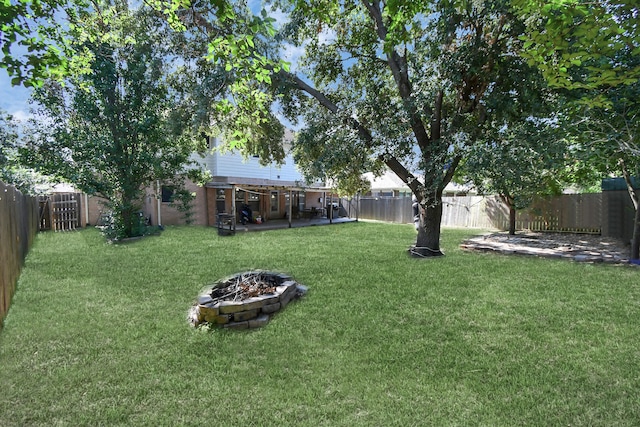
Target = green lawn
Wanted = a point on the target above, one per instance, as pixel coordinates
(97, 335)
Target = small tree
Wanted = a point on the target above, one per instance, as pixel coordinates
(608, 141)
(518, 163)
(118, 129)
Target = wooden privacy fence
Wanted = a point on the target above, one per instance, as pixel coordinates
(60, 211)
(18, 227)
(580, 213)
(577, 213)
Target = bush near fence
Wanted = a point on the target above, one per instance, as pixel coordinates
(18, 227)
(580, 213)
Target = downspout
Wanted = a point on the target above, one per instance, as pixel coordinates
(290, 209)
(206, 206)
(331, 207)
(159, 201)
(86, 209)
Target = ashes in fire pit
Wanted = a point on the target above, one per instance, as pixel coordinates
(245, 300)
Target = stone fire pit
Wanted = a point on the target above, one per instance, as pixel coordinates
(245, 300)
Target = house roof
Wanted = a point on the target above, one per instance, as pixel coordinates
(389, 181)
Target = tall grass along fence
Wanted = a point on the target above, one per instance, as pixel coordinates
(581, 213)
(18, 227)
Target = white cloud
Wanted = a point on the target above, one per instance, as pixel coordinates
(292, 54)
(280, 17)
(327, 36)
(21, 115)
(13, 99)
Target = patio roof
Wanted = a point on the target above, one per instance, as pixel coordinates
(223, 182)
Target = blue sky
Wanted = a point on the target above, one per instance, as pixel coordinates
(13, 99)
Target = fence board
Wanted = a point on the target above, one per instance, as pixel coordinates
(65, 209)
(579, 213)
(60, 211)
(18, 227)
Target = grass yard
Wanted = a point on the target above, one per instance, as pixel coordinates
(97, 335)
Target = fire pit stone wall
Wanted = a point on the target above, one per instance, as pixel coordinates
(246, 313)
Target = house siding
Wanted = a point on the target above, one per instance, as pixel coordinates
(232, 164)
(208, 162)
(251, 168)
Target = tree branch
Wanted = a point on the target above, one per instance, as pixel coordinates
(400, 70)
(300, 84)
(407, 177)
(364, 133)
(627, 179)
(448, 176)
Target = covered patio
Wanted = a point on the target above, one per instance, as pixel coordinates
(271, 204)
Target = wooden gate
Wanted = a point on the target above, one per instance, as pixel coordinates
(60, 212)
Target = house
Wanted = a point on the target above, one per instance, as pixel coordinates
(271, 192)
(390, 185)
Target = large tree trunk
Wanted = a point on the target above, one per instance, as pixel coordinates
(428, 240)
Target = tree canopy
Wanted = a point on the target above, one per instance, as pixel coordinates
(518, 162)
(576, 43)
(32, 35)
(11, 170)
(227, 35)
(39, 42)
(407, 85)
